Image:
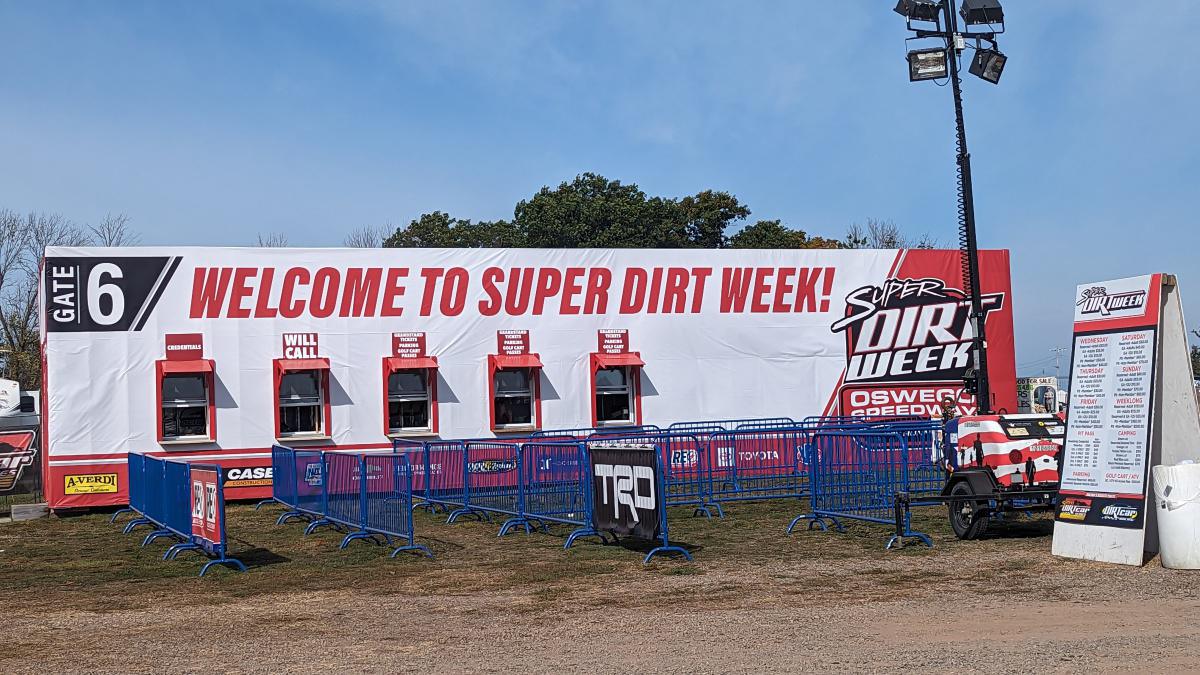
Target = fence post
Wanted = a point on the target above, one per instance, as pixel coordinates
(661, 500)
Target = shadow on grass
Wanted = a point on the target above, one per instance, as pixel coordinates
(644, 546)
(259, 557)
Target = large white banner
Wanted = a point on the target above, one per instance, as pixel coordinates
(722, 334)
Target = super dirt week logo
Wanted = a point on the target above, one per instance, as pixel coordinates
(909, 330)
(1097, 300)
(914, 332)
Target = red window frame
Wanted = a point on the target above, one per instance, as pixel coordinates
(513, 362)
(203, 367)
(631, 360)
(430, 365)
(282, 366)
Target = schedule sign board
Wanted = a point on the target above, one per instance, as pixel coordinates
(1126, 343)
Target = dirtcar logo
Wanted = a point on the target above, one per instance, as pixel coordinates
(626, 488)
(16, 453)
(1120, 514)
(492, 466)
(909, 330)
(257, 476)
(312, 474)
(1075, 509)
(1096, 300)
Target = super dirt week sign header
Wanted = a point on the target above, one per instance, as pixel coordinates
(721, 334)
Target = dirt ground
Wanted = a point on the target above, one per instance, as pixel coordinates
(83, 597)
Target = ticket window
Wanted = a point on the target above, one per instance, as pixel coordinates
(185, 402)
(302, 398)
(410, 396)
(515, 392)
(616, 394)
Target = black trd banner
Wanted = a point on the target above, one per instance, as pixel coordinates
(103, 294)
(625, 497)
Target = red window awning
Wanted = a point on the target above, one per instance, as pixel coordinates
(186, 366)
(516, 361)
(289, 365)
(395, 363)
(614, 360)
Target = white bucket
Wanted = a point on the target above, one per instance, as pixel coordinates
(1177, 495)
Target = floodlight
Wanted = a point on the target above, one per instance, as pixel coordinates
(919, 10)
(926, 64)
(979, 12)
(988, 64)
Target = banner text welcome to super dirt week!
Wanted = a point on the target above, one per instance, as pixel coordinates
(267, 292)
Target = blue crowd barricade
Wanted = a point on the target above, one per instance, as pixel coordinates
(554, 483)
(857, 473)
(283, 478)
(686, 466)
(365, 494)
(443, 478)
(491, 476)
(665, 546)
(584, 432)
(708, 426)
(137, 493)
(755, 464)
(184, 502)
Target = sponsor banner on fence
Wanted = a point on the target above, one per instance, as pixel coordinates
(206, 509)
(624, 489)
(20, 472)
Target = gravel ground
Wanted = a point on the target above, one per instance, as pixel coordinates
(1122, 620)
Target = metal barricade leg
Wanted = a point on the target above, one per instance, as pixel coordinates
(665, 548)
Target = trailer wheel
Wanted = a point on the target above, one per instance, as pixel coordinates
(965, 517)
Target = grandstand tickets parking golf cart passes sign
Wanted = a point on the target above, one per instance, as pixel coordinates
(1132, 406)
(214, 355)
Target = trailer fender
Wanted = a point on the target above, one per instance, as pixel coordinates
(982, 481)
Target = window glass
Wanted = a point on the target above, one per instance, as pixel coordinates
(611, 378)
(184, 406)
(299, 419)
(183, 388)
(408, 415)
(406, 383)
(512, 382)
(514, 397)
(301, 402)
(185, 421)
(301, 384)
(613, 408)
(514, 410)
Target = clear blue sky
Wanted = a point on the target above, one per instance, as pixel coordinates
(210, 122)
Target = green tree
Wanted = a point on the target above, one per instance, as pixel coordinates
(708, 214)
(774, 234)
(594, 212)
(439, 230)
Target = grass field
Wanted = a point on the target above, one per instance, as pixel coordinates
(82, 573)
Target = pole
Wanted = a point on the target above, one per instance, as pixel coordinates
(966, 222)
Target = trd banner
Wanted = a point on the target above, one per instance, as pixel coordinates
(625, 497)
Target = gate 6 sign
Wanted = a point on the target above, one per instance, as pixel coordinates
(625, 497)
(103, 294)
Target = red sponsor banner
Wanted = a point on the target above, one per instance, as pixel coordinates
(512, 342)
(184, 346)
(612, 341)
(206, 507)
(408, 345)
(300, 346)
